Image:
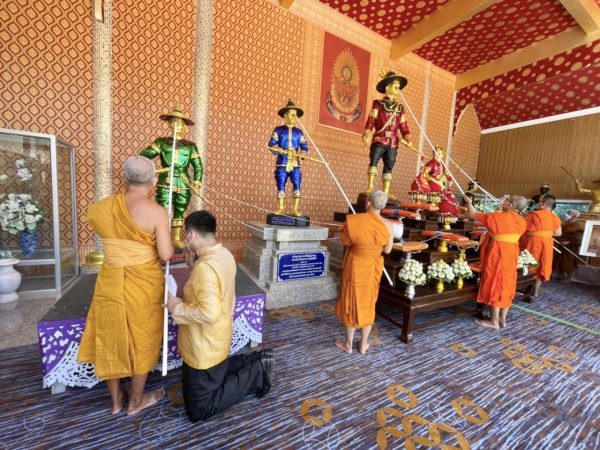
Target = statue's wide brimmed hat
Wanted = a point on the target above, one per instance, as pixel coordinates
(176, 114)
(545, 185)
(290, 105)
(388, 78)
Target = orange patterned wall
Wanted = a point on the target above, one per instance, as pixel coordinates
(46, 78)
(153, 68)
(262, 54)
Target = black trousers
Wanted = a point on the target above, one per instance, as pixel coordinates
(208, 392)
(388, 154)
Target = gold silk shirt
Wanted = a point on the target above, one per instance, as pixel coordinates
(205, 317)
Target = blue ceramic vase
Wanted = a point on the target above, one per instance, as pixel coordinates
(29, 243)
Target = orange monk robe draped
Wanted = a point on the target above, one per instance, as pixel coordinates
(123, 331)
(365, 236)
(499, 255)
(538, 240)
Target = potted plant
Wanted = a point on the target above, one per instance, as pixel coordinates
(20, 213)
(10, 279)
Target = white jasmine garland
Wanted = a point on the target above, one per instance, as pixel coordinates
(412, 273)
(461, 269)
(440, 270)
(526, 259)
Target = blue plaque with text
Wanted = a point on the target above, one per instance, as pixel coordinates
(298, 266)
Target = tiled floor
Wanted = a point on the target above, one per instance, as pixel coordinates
(18, 321)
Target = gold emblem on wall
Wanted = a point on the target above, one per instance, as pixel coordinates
(343, 100)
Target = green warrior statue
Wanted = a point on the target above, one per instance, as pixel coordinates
(186, 155)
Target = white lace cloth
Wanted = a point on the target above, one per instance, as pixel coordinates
(69, 372)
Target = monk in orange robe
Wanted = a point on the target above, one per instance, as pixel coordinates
(124, 326)
(366, 236)
(499, 258)
(542, 226)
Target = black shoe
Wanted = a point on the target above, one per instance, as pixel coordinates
(267, 359)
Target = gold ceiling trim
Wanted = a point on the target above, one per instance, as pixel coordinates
(585, 12)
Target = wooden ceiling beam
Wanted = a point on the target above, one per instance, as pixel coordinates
(585, 12)
(571, 38)
(448, 16)
(286, 3)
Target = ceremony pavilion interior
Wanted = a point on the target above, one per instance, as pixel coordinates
(503, 95)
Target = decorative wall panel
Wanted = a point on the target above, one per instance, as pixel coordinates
(46, 79)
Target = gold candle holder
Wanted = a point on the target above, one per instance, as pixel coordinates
(443, 245)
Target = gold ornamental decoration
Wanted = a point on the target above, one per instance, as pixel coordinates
(343, 98)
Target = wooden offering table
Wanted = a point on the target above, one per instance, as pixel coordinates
(427, 299)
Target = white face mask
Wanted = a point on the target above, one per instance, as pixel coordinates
(188, 239)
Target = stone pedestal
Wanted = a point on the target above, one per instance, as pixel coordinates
(290, 264)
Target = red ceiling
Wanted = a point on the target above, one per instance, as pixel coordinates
(553, 78)
(497, 31)
(388, 18)
(557, 95)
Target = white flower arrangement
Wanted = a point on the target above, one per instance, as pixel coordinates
(19, 212)
(440, 270)
(461, 269)
(526, 259)
(412, 273)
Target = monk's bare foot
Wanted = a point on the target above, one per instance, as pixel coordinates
(502, 324)
(343, 345)
(121, 399)
(362, 350)
(149, 399)
(486, 323)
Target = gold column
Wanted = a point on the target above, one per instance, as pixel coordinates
(202, 70)
(102, 100)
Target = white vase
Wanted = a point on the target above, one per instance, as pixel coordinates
(525, 271)
(410, 291)
(10, 280)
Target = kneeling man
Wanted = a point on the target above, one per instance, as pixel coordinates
(212, 381)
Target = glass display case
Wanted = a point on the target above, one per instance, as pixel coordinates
(38, 210)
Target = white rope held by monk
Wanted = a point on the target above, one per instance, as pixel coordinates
(387, 275)
(165, 343)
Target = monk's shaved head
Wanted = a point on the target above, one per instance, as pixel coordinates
(139, 171)
(549, 201)
(518, 202)
(378, 200)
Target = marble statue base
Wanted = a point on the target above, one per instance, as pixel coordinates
(289, 264)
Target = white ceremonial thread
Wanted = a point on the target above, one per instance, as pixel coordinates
(387, 275)
(165, 343)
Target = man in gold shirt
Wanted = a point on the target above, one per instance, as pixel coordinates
(123, 330)
(212, 381)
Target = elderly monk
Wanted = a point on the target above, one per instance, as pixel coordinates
(366, 236)
(542, 226)
(499, 253)
(572, 233)
(124, 326)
